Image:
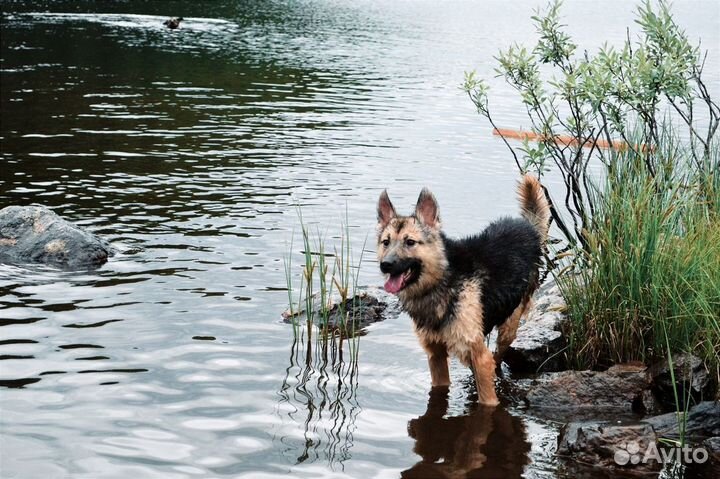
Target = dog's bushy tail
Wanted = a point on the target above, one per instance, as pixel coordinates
(534, 206)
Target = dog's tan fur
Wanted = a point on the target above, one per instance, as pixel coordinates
(508, 330)
(460, 336)
(534, 206)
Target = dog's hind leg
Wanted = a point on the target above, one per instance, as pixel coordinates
(438, 361)
(508, 330)
(484, 370)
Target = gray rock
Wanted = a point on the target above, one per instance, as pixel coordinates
(620, 388)
(691, 378)
(608, 447)
(712, 444)
(650, 404)
(701, 421)
(34, 234)
(539, 342)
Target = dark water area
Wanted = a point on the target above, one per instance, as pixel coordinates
(189, 151)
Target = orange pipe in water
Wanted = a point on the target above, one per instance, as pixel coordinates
(561, 139)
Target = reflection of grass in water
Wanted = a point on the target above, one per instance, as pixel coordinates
(319, 385)
(321, 396)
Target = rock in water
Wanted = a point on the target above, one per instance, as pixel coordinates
(539, 344)
(173, 23)
(34, 234)
(367, 306)
(616, 448)
(710, 469)
(700, 421)
(620, 388)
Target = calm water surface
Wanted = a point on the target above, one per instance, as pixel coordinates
(189, 151)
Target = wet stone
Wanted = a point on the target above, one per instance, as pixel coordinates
(368, 306)
(701, 421)
(539, 343)
(607, 447)
(35, 234)
(712, 444)
(710, 469)
(619, 388)
(691, 378)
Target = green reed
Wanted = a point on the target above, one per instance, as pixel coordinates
(648, 284)
(325, 278)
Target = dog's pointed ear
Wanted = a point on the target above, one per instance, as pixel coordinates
(385, 210)
(427, 210)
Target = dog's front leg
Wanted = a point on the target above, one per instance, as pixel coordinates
(484, 370)
(438, 361)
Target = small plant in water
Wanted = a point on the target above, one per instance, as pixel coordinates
(319, 390)
(327, 293)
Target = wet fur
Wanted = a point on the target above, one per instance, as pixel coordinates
(460, 289)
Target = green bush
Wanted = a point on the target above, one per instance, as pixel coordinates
(649, 278)
(588, 101)
(641, 229)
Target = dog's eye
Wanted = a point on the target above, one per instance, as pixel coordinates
(410, 242)
(386, 242)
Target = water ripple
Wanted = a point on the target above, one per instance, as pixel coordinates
(190, 151)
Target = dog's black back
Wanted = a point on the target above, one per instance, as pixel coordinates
(505, 258)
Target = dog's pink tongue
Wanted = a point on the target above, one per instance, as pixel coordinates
(394, 284)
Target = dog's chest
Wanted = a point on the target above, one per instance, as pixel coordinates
(460, 321)
(459, 339)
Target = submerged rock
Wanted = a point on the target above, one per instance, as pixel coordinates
(35, 234)
(701, 421)
(638, 447)
(368, 306)
(712, 444)
(539, 342)
(609, 447)
(619, 388)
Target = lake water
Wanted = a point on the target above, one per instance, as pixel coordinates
(190, 150)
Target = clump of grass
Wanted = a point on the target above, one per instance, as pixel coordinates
(326, 278)
(319, 389)
(647, 285)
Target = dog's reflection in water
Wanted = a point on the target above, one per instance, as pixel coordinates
(485, 442)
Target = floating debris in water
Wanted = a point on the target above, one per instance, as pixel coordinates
(173, 23)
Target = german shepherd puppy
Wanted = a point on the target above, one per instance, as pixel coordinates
(457, 290)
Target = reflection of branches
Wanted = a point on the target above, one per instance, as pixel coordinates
(320, 391)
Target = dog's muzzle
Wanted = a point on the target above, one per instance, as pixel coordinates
(401, 272)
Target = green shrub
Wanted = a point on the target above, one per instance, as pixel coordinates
(640, 219)
(649, 277)
(577, 104)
